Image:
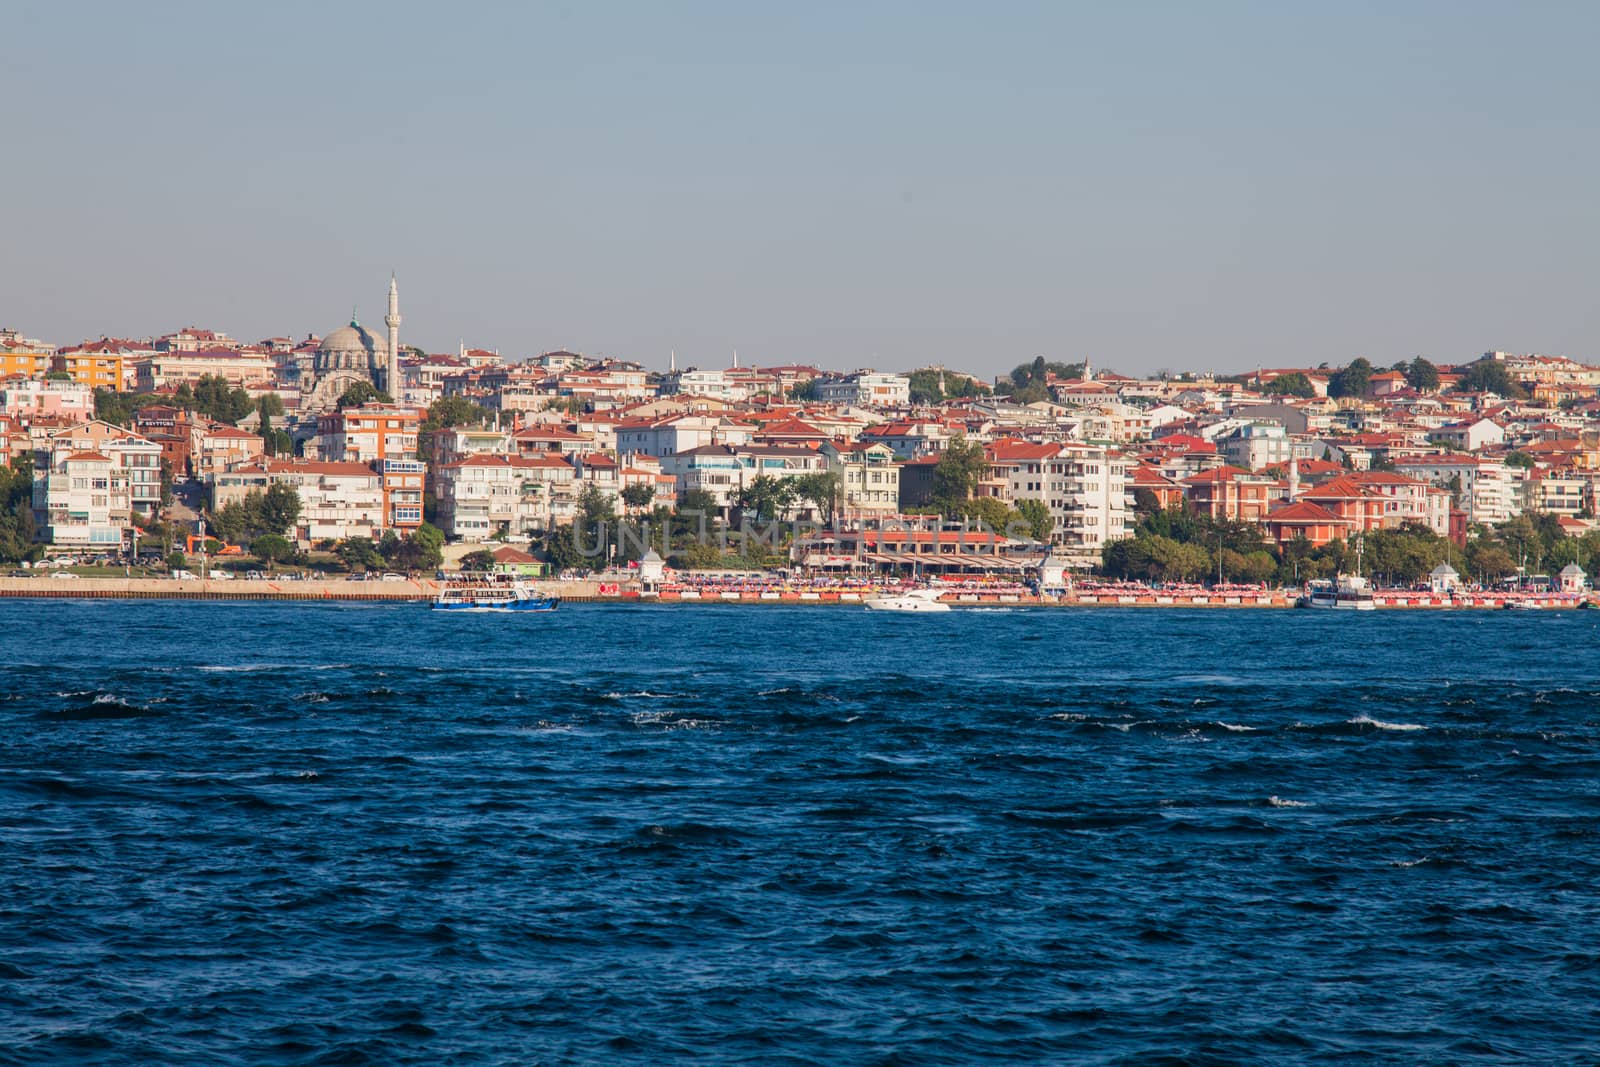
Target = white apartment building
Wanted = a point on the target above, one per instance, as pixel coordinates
(1086, 489)
(1489, 489)
(679, 433)
(337, 500)
(81, 499)
(866, 388)
(138, 459)
(482, 495)
(1258, 445)
(720, 384)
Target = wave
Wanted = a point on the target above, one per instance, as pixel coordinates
(1367, 720)
(1279, 802)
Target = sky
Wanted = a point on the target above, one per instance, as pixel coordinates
(1155, 186)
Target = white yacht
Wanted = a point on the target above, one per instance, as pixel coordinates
(907, 600)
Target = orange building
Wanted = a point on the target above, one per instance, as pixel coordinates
(1230, 493)
(96, 369)
(1315, 523)
(369, 433)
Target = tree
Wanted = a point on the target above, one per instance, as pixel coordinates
(821, 489)
(931, 385)
(1037, 515)
(1295, 384)
(1490, 376)
(17, 529)
(1422, 375)
(767, 497)
(957, 474)
(479, 560)
(426, 548)
(214, 397)
(272, 548)
(990, 511)
(698, 500)
(269, 404)
(359, 554)
(362, 392)
(638, 495)
(1352, 380)
(1519, 458)
(280, 508)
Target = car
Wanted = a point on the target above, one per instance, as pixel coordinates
(221, 576)
(63, 574)
(390, 576)
(185, 576)
(358, 577)
(255, 576)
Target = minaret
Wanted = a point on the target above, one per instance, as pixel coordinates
(1294, 477)
(1088, 371)
(672, 362)
(392, 320)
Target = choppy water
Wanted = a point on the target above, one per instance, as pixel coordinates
(339, 834)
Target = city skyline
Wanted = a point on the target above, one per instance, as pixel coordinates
(898, 187)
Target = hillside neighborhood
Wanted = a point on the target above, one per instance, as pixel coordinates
(352, 452)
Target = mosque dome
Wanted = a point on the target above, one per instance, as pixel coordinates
(352, 347)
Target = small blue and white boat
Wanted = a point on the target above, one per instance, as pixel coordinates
(491, 595)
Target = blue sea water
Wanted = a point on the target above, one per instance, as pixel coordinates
(339, 834)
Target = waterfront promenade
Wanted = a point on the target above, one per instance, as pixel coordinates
(612, 591)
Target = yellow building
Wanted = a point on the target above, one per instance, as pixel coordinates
(94, 369)
(27, 364)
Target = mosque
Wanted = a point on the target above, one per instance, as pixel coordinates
(349, 355)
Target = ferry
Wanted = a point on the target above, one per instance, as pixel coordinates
(490, 595)
(1350, 592)
(907, 600)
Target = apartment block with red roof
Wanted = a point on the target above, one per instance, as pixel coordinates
(337, 500)
(1230, 493)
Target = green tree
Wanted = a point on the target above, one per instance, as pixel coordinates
(821, 489)
(767, 497)
(1295, 384)
(1037, 515)
(478, 560)
(272, 549)
(638, 495)
(280, 508)
(961, 467)
(1491, 376)
(698, 500)
(359, 554)
(362, 392)
(1422, 375)
(990, 511)
(1352, 380)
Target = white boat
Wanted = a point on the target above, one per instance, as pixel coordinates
(1349, 592)
(907, 600)
(492, 595)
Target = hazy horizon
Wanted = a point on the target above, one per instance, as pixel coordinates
(1165, 186)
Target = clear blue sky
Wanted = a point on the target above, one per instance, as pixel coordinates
(1155, 185)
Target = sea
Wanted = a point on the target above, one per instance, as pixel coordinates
(304, 833)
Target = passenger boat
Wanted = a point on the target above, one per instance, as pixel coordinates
(1349, 592)
(491, 595)
(907, 600)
